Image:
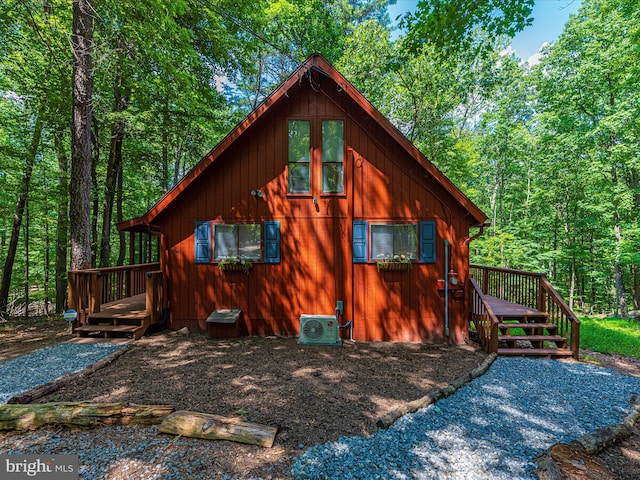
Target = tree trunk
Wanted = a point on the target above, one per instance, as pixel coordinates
(95, 202)
(7, 271)
(62, 232)
(122, 250)
(120, 104)
(31, 416)
(214, 427)
(635, 282)
(572, 286)
(26, 260)
(82, 87)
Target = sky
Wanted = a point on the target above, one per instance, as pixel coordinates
(549, 17)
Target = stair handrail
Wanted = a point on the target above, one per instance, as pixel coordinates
(535, 291)
(478, 301)
(574, 331)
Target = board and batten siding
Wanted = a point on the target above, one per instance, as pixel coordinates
(383, 184)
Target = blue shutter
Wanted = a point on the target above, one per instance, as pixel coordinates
(428, 242)
(272, 242)
(359, 241)
(203, 242)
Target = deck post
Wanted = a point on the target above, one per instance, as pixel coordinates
(575, 338)
(95, 292)
(485, 280)
(493, 343)
(541, 303)
(150, 297)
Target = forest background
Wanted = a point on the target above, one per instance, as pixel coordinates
(550, 152)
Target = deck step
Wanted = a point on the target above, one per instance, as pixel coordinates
(528, 326)
(537, 341)
(535, 352)
(136, 331)
(532, 338)
(108, 328)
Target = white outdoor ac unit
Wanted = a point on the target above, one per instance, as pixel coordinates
(319, 330)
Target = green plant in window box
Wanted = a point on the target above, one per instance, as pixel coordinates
(397, 263)
(235, 264)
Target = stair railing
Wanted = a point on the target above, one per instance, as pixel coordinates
(89, 289)
(482, 316)
(532, 290)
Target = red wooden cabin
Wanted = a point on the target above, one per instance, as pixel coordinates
(313, 189)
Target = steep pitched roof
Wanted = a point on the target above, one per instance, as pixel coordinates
(319, 63)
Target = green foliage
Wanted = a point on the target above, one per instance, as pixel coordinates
(610, 335)
(453, 26)
(551, 153)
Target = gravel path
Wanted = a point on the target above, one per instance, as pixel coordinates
(493, 428)
(45, 365)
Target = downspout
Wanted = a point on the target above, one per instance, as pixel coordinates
(471, 239)
(446, 288)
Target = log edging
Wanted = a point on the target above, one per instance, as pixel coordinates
(42, 390)
(80, 414)
(590, 443)
(435, 395)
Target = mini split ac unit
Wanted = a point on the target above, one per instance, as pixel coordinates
(319, 330)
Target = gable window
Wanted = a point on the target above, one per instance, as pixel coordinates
(246, 241)
(315, 156)
(299, 136)
(388, 241)
(332, 156)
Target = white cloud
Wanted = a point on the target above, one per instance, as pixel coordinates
(536, 57)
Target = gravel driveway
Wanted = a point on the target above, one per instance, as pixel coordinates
(492, 428)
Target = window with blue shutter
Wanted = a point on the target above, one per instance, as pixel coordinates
(203, 242)
(359, 239)
(428, 242)
(271, 242)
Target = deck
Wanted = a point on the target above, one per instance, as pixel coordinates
(129, 307)
(124, 317)
(117, 301)
(505, 309)
(520, 313)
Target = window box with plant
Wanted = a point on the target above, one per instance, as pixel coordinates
(397, 263)
(235, 264)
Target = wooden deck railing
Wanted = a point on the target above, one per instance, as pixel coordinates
(89, 289)
(532, 290)
(482, 316)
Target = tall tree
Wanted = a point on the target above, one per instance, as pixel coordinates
(29, 160)
(82, 88)
(452, 25)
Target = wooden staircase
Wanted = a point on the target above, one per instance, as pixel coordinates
(530, 335)
(516, 313)
(127, 317)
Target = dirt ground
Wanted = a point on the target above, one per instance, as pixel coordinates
(311, 394)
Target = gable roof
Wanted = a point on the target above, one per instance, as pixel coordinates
(315, 62)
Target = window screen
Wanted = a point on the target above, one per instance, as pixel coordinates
(388, 241)
(299, 138)
(240, 240)
(333, 156)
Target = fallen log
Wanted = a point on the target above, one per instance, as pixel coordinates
(215, 427)
(432, 397)
(47, 388)
(80, 414)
